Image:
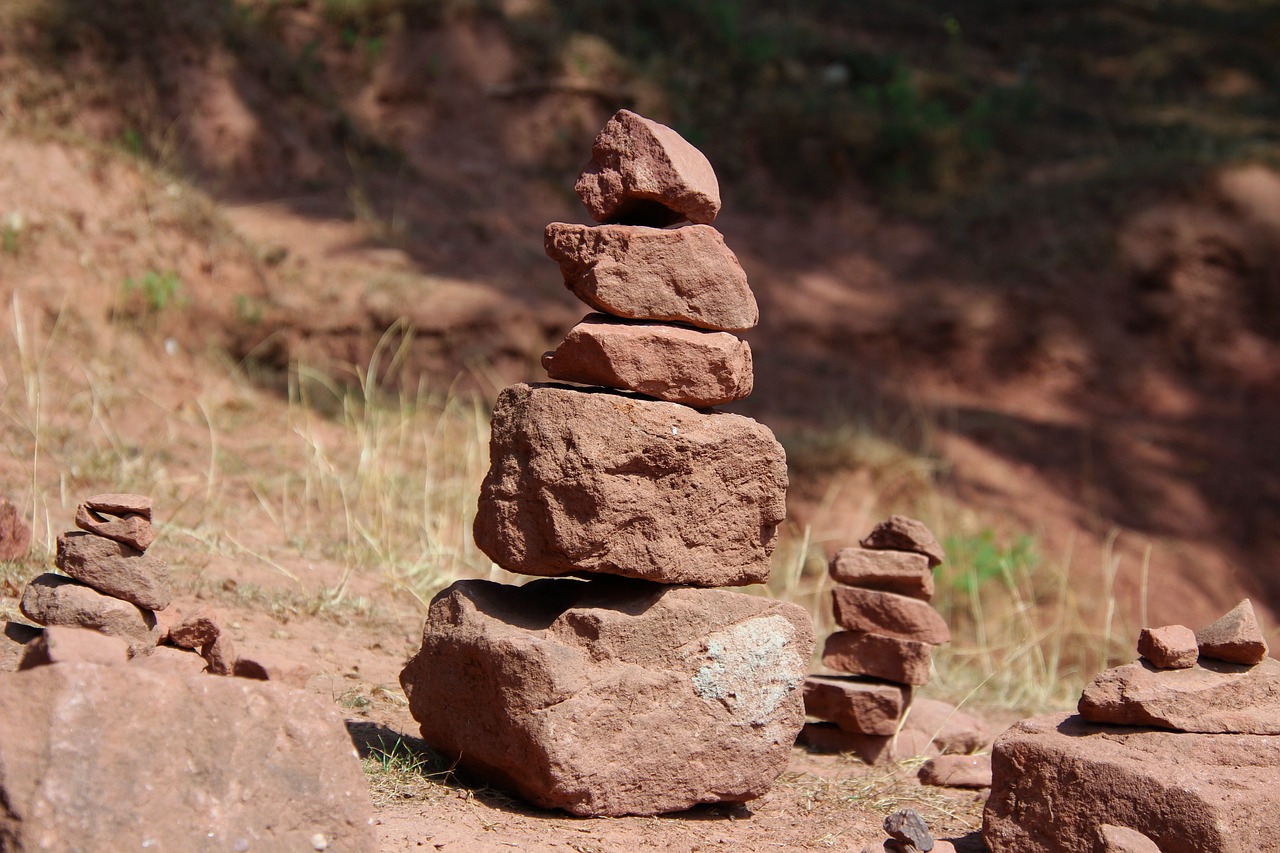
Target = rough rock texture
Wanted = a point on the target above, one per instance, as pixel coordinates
(133, 529)
(115, 569)
(61, 644)
(1212, 697)
(54, 600)
(900, 533)
(139, 758)
(953, 730)
(119, 504)
(957, 771)
(889, 614)
(888, 571)
(856, 704)
(1236, 637)
(194, 630)
(1056, 780)
(680, 275)
(1170, 647)
(584, 482)
(672, 363)
(220, 655)
(13, 644)
(612, 696)
(15, 534)
(890, 658)
(909, 829)
(644, 173)
(1119, 839)
(873, 749)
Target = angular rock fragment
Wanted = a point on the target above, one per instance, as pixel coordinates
(957, 771)
(856, 704)
(889, 614)
(1119, 839)
(594, 482)
(1057, 779)
(1170, 647)
(220, 655)
(141, 758)
(1236, 637)
(900, 533)
(909, 829)
(888, 571)
(15, 534)
(612, 696)
(133, 529)
(676, 275)
(121, 504)
(54, 600)
(644, 173)
(115, 569)
(195, 630)
(890, 658)
(61, 644)
(672, 363)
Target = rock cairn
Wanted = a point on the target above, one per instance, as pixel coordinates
(881, 600)
(643, 687)
(1176, 751)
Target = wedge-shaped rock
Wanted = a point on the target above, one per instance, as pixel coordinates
(54, 600)
(888, 571)
(681, 275)
(121, 504)
(1236, 637)
(1212, 697)
(132, 529)
(644, 173)
(856, 704)
(595, 482)
(1057, 780)
(890, 658)
(1169, 647)
(900, 533)
(889, 614)
(671, 363)
(116, 569)
(62, 644)
(141, 758)
(612, 696)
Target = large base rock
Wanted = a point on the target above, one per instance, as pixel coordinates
(612, 696)
(1056, 780)
(137, 758)
(596, 482)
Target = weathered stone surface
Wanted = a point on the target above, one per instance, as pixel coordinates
(1214, 696)
(1119, 839)
(890, 658)
(268, 667)
(644, 173)
(120, 504)
(908, 828)
(612, 696)
(1056, 780)
(1236, 637)
(596, 482)
(115, 569)
(900, 533)
(15, 534)
(856, 704)
(139, 758)
(62, 644)
(888, 614)
(13, 644)
(675, 275)
(194, 630)
(957, 771)
(888, 571)
(220, 655)
(873, 749)
(133, 529)
(952, 730)
(1169, 647)
(54, 600)
(672, 363)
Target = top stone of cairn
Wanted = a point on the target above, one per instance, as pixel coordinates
(644, 173)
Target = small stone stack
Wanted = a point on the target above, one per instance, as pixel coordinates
(113, 586)
(644, 688)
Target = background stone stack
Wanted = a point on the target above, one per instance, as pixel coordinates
(881, 600)
(644, 688)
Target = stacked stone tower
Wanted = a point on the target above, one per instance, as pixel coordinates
(643, 687)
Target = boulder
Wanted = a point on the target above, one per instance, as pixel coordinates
(644, 173)
(957, 771)
(133, 529)
(1057, 780)
(1170, 647)
(115, 569)
(15, 534)
(120, 504)
(888, 614)
(143, 758)
(1211, 697)
(1236, 637)
(676, 275)
(888, 571)
(890, 658)
(594, 482)
(900, 533)
(61, 644)
(672, 363)
(54, 600)
(856, 704)
(612, 696)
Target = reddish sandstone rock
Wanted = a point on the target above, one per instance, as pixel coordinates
(1170, 647)
(888, 614)
(195, 630)
(888, 571)
(612, 696)
(1236, 637)
(680, 275)
(900, 533)
(133, 529)
(1057, 780)
(60, 644)
(856, 704)
(890, 658)
(138, 758)
(672, 363)
(644, 173)
(957, 771)
(115, 569)
(220, 655)
(120, 505)
(1211, 697)
(15, 534)
(952, 730)
(54, 600)
(1119, 839)
(594, 482)
(873, 749)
